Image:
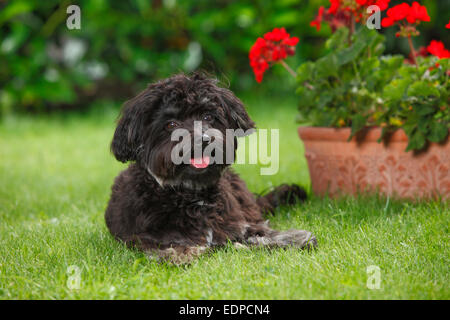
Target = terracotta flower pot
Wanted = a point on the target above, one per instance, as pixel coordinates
(337, 166)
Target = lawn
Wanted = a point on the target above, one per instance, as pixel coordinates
(56, 174)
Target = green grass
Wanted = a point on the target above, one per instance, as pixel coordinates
(56, 174)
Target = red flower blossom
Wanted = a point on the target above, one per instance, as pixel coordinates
(382, 4)
(448, 25)
(275, 46)
(417, 13)
(437, 49)
(335, 4)
(360, 6)
(344, 10)
(399, 12)
(387, 22)
(413, 14)
(316, 22)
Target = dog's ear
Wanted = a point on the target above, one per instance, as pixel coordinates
(236, 113)
(128, 135)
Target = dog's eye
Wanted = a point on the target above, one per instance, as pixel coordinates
(171, 125)
(207, 117)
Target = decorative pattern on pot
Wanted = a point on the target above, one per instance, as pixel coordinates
(339, 167)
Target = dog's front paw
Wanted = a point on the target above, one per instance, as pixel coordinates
(178, 255)
(297, 238)
(240, 246)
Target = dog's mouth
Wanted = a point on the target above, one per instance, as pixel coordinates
(200, 163)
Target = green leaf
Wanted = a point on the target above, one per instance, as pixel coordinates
(444, 63)
(423, 89)
(392, 62)
(438, 132)
(338, 39)
(396, 89)
(346, 55)
(358, 122)
(306, 97)
(423, 124)
(416, 141)
(325, 98)
(305, 72)
(424, 110)
(327, 66)
(368, 66)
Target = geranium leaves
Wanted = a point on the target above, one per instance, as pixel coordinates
(423, 89)
(438, 131)
(396, 89)
(358, 122)
(354, 85)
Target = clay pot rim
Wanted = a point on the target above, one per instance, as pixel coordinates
(342, 134)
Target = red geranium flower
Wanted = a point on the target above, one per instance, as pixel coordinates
(382, 4)
(437, 49)
(316, 22)
(334, 6)
(399, 12)
(275, 46)
(417, 13)
(413, 14)
(387, 22)
(448, 25)
(356, 9)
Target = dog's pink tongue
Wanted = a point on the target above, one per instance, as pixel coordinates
(200, 163)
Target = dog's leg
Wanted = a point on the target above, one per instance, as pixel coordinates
(276, 239)
(178, 255)
(281, 195)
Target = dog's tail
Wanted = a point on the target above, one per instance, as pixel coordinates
(283, 195)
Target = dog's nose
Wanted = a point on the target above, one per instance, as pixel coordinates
(206, 137)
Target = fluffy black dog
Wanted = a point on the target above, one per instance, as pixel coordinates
(178, 211)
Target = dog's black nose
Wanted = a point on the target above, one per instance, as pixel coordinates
(207, 138)
(203, 139)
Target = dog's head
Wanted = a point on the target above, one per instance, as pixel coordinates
(181, 130)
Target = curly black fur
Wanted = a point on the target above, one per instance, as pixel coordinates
(176, 211)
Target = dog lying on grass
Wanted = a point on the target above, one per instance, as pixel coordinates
(176, 212)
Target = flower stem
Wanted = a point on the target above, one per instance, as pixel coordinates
(294, 74)
(413, 51)
(352, 29)
(289, 69)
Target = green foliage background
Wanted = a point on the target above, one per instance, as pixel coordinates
(123, 45)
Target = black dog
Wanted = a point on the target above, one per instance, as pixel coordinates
(176, 212)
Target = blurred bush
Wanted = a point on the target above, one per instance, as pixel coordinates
(123, 45)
